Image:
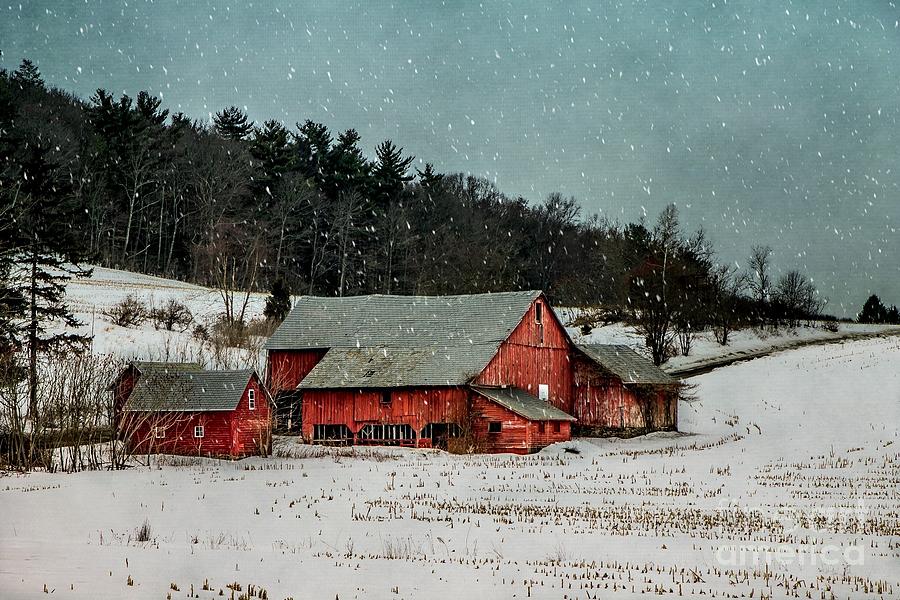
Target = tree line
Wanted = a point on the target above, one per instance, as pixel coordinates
(237, 205)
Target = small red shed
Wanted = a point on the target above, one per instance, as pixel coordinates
(179, 408)
(619, 391)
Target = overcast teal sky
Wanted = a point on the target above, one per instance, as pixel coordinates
(766, 122)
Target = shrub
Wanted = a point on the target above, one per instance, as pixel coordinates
(171, 316)
(144, 532)
(278, 304)
(201, 332)
(128, 312)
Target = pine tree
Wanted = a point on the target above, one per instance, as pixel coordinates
(278, 304)
(232, 124)
(389, 173)
(271, 149)
(873, 311)
(46, 238)
(27, 75)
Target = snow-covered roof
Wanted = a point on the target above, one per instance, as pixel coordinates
(626, 364)
(524, 404)
(387, 367)
(401, 321)
(187, 390)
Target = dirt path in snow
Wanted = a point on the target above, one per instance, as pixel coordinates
(708, 365)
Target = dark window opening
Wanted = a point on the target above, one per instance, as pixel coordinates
(332, 435)
(556, 426)
(390, 434)
(541, 427)
(441, 433)
(495, 427)
(538, 313)
(385, 397)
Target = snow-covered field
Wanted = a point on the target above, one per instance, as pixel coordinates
(794, 457)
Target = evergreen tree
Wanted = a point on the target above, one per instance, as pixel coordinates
(46, 238)
(278, 304)
(232, 124)
(428, 177)
(313, 150)
(349, 169)
(27, 75)
(271, 149)
(873, 311)
(389, 173)
(148, 109)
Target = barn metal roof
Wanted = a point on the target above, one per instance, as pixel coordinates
(401, 321)
(626, 364)
(146, 366)
(387, 367)
(524, 404)
(170, 389)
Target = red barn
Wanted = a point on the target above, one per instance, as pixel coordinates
(492, 370)
(497, 372)
(179, 408)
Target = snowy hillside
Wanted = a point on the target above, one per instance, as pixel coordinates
(795, 455)
(90, 297)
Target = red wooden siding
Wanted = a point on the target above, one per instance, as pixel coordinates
(237, 433)
(287, 368)
(251, 429)
(604, 401)
(534, 354)
(179, 433)
(419, 406)
(354, 408)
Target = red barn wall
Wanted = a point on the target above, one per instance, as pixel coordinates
(251, 429)
(179, 439)
(121, 389)
(419, 406)
(534, 354)
(287, 368)
(354, 408)
(603, 401)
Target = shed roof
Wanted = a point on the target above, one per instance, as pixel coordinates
(387, 367)
(172, 389)
(523, 404)
(626, 364)
(401, 321)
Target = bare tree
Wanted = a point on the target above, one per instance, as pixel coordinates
(760, 281)
(727, 284)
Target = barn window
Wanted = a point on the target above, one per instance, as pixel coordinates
(555, 426)
(385, 397)
(543, 391)
(495, 427)
(541, 427)
(159, 432)
(538, 313)
(251, 398)
(332, 435)
(198, 431)
(387, 434)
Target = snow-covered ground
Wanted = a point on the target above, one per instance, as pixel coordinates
(795, 454)
(90, 297)
(744, 343)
